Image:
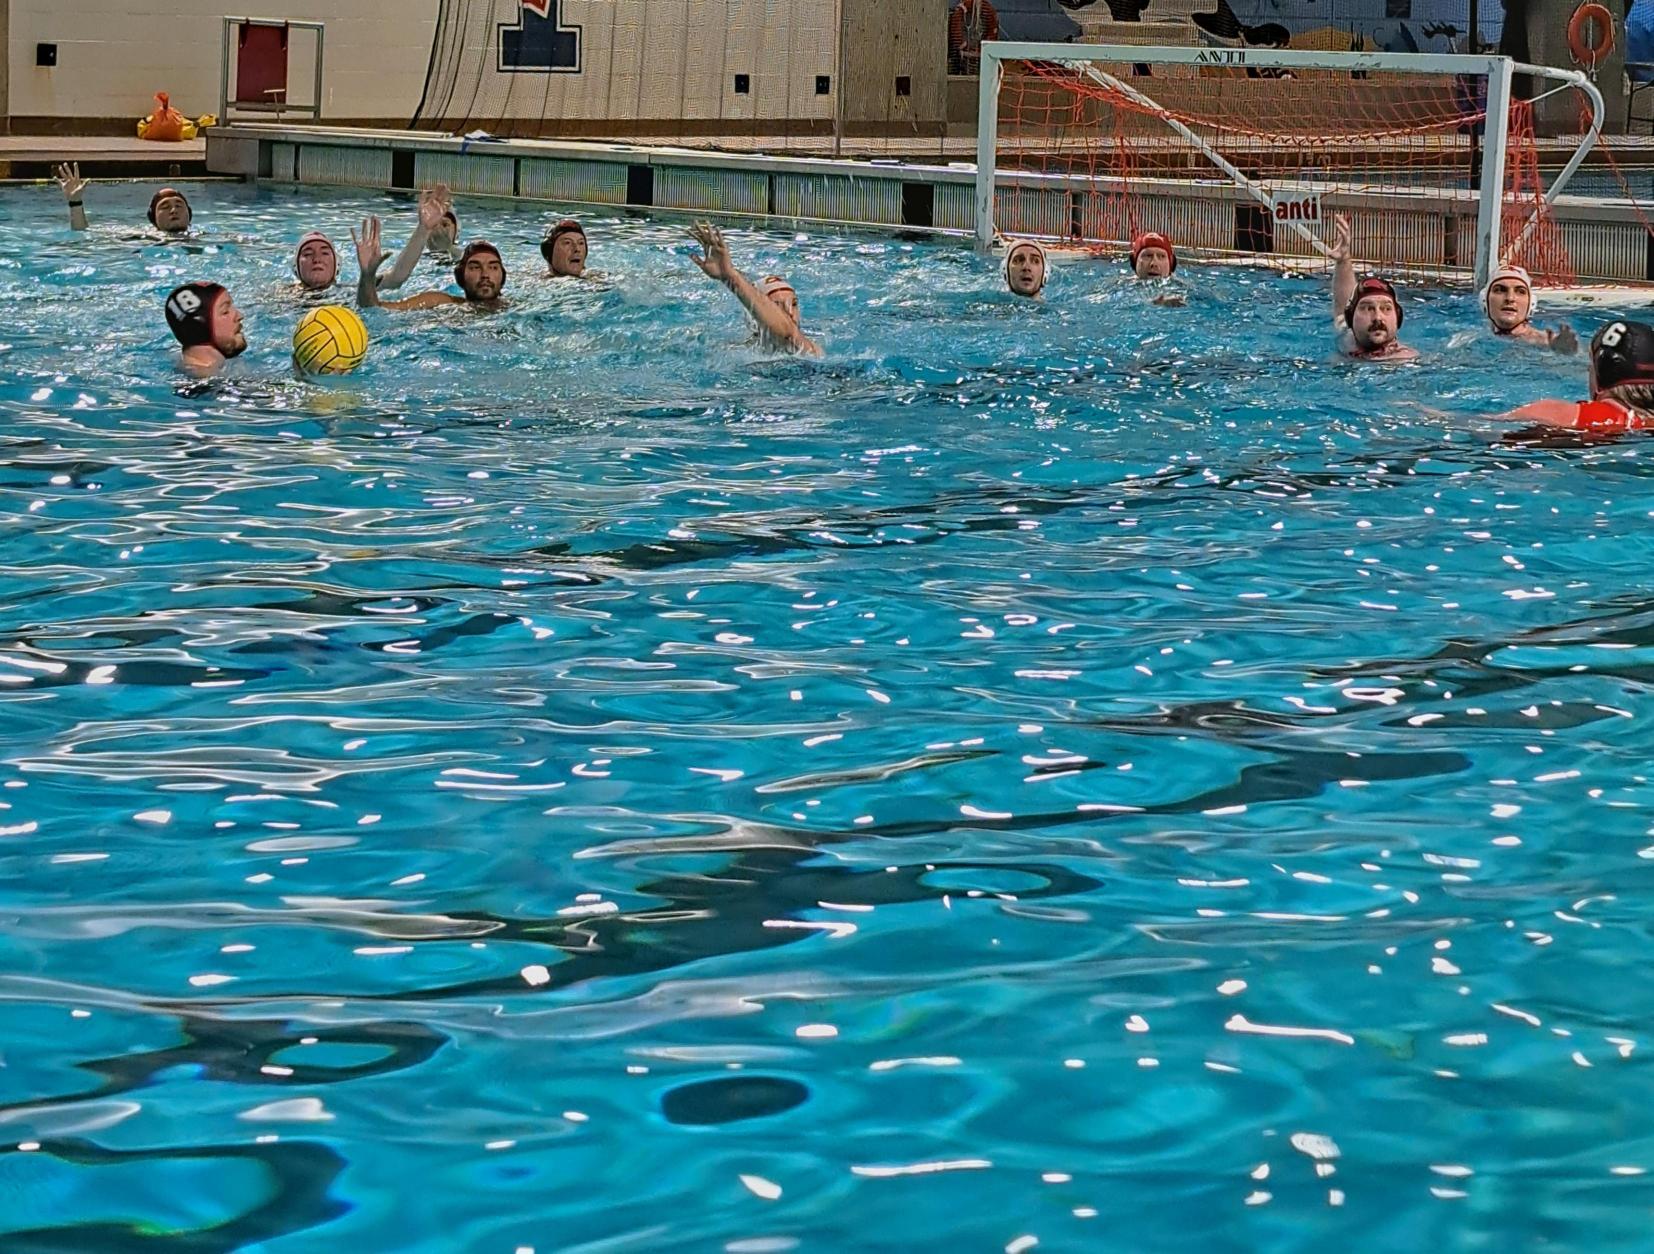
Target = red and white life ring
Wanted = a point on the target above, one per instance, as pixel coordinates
(1596, 20)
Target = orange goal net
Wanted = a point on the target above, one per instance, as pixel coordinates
(1248, 154)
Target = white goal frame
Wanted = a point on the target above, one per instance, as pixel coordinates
(1089, 58)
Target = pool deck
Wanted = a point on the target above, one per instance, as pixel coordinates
(101, 156)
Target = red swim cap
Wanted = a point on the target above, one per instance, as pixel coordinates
(1152, 239)
(1372, 285)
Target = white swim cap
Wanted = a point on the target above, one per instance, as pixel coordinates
(1012, 245)
(1512, 272)
(770, 284)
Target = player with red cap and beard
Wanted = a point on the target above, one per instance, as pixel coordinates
(204, 319)
(1367, 316)
(480, 274)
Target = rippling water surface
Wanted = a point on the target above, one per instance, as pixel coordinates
(1091, 774)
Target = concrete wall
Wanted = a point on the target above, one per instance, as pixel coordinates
(889, 39)
(114, 55)
(5, 63)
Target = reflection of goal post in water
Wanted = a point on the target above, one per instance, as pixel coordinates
(1249, 152)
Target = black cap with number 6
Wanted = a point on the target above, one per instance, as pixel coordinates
(1622, 352)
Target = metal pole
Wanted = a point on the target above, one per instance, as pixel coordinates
(838, 90)
(1490, 201)
(224, 75)
(316, 100)
(1598, 109)
(990, 71)
(1599, 112)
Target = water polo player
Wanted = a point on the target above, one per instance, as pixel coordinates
(1622, 385)
(1367, 316)
(1153, 257)
(479, 272)
(1027, 266)
(774, 305)
(434, 232)
(205, 321)
(316, 263)
(565, 249)
(1508, 300)
(169, 210)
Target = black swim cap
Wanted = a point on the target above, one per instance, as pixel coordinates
(1622, 352)
(1372, 285)
(568, 226)
(476, 248)
(189, 312)
(161, 195)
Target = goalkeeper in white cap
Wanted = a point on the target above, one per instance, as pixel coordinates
(1508, 301)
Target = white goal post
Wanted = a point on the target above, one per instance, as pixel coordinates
(1131, 79)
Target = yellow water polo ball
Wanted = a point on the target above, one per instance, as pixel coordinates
(330, 340)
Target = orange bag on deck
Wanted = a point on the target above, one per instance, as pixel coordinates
(166, 123)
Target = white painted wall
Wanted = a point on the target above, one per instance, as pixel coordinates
(114, 55)
(649, 59)
(659, 59)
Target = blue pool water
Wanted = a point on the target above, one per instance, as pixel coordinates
(1091, 774)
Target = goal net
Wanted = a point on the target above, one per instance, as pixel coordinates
(1250, 153)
